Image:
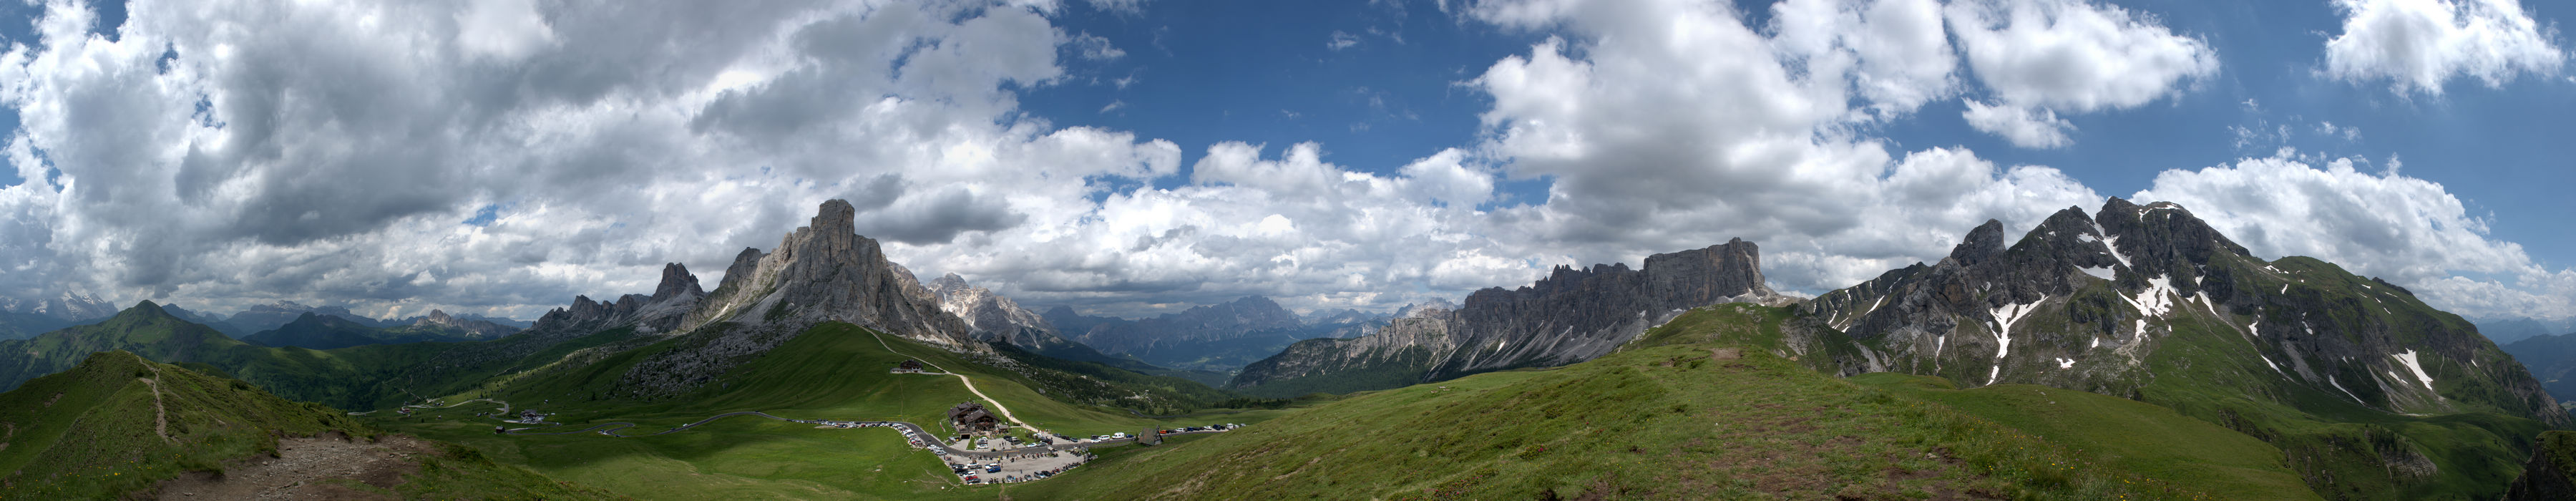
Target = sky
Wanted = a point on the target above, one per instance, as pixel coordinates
(1132, 157)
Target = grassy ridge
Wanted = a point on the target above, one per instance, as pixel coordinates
(97, 431)
(345, 378)
(2345, 450)
(1665, 422)
(2132, 436)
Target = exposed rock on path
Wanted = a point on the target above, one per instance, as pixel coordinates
(305, 469)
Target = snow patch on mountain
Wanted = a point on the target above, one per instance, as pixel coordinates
(2413, 364)
(2004, 318)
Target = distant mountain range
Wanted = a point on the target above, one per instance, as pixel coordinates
(2141, 302)
(1219, 337)
(1571, 316)
(2551, 359)
(271, 316)
(21, 319)
(2506, 330)
(323, 332)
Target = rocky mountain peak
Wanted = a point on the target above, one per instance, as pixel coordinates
(948, 283)
(1432, 307)
(1982, 243)
(2162, 238)
(677, 282)
(825, 271)
(994, 317)
(1707, 275)
(2088, 301)
(1571, 316)
(471, 327)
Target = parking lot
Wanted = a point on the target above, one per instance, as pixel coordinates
(1013, 468)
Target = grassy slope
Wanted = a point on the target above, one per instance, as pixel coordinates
(2206, 369)
(2151, 441)
(2146, 439)
(91, 432)
(2203, 373)
(1663, 422)
(836, 371)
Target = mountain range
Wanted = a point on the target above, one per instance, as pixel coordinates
(21, 318)
(2134, 340)
(323, 332)
(1219, 337)
(1571, 316)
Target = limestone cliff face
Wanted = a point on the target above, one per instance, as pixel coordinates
(993, 317)
(822, 272)
(478, 329)
(660, 313)
(1571, 316)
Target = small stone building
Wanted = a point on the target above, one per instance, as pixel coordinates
(971, 417)
(908, 367)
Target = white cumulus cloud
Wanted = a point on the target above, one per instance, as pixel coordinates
(2419, 45)
(2025, 127)
(2074, 56)
(2407, 230)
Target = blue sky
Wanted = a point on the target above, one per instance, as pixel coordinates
(1264, 72)
(1139, 156)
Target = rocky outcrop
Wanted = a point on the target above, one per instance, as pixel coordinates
(2550, 474)
(995, 318)
(823, 272)
(661, 313)
(476, 329)
(1571, 316)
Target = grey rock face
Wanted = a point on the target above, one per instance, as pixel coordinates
(823, 272)
(1572, 316)
(661, 312)
(993, 317)
(477, 329)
